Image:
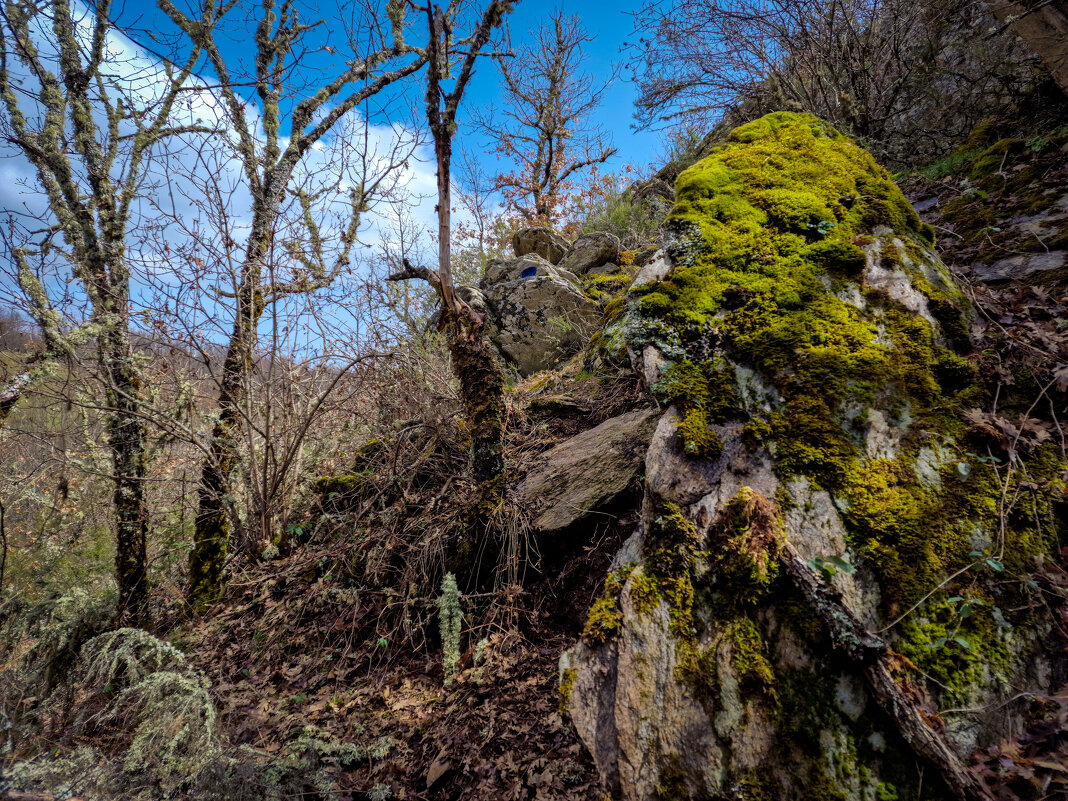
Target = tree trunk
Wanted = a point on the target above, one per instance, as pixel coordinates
(1044, 27)
(211, 540)
(482, 386)
(126, 439)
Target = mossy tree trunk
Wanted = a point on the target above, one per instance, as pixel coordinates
(126, 440)
(474, 360)
(270, 170)
(213, 521)
(89, 173)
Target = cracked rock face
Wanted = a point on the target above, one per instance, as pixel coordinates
(814, 373)
(591, 251)
(584, 474)
(540, 316)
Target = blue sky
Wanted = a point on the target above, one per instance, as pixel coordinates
(151, 30)
(610, 28)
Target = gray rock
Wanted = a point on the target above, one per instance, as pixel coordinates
(587, 472)
(1021, 266)
(655, 268)
(503, 270)
(550, 245)
(591, 250)
(605, 269)
(539, 314)
(655, 189)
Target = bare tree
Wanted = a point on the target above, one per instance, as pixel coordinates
(544, 126)
(87, 126)
(474, 359)
(909, 79)
(380, 58)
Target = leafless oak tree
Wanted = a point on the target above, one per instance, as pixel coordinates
(544, 125)
(380, 57)
(87, 125)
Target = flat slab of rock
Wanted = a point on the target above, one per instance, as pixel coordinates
(587, 472)
(1022, 266)
(539, 240)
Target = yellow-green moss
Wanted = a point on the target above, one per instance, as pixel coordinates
(567, 686)
(707, 394)
(668, 555)
(605, 617)
(749, 657)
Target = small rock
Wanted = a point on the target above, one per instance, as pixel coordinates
(604, 269)
(550, 245)
(591, 250)
(1021, 266)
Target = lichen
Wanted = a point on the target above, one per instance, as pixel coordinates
(567, 686)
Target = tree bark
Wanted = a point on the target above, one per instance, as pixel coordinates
(12, 394)
(1043, 25)
(211, 540)
(126, 439)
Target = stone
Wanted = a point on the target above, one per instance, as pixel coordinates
(586, 473)
(654, 190)
(656, 268)
(691, 679)
(539, 240)
(1022, 266)
(539, 314)
(591, 250)
(605, 269)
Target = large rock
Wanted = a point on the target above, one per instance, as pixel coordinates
(539, 314)
(539, 240)
(591, 250)
(586, 473)
(800, 343)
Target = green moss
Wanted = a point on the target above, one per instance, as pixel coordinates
(747, 537)
(671, 784)
(605, 617)
(749, 657)
(837, 257)
(958, 652)
(993, 159)
(668, 555)
(698, 441)
(567, 686)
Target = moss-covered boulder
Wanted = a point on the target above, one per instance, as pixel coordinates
(805, 344)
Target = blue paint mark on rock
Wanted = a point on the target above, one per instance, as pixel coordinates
(530, 272)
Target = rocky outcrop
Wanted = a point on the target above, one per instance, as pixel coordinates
(591, 251)
(585, 474)
(539, 313)
(540, 241)
(790, 615)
